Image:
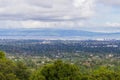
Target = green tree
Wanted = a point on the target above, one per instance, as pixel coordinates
(22, 71)
(11, 76)
(7, 70)
(2, 77)
(103, 73)
(57, 71)
(10, 70)
(2, 55)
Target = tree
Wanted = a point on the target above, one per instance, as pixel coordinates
(10, 70)
(57, 71)
(2, 77)
(103, 73)
(2, 55)
(22, 71)
(7, 70)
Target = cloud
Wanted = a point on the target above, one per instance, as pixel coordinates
(45, 13)
(66, 14)
(113, 24)
(110, 2)
(56, 10)
(41, 24)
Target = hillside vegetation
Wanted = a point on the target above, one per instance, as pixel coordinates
(58, 70)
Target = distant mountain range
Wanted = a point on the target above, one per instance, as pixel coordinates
(54, 34)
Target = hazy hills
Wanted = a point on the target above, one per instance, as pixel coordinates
(54, 34)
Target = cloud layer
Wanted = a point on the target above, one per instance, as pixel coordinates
(79, 14)
(46, 10)
(111, 2)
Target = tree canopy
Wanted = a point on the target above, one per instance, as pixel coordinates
(10, 70)
(57, 71)
(2, 55)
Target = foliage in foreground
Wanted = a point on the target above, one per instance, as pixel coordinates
(62, 71)
(58, 70)
(12, 71)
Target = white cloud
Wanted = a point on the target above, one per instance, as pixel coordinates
(71, 14)
(110, 2)
(113, 24)
(46, 9)
(42, 24)
(45, 13)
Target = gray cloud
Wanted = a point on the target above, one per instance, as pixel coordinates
(110, 2)
(46, 9)
(57, 13)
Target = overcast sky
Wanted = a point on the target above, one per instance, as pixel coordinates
(89, 15)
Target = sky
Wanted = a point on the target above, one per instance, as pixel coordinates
(89, 15)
